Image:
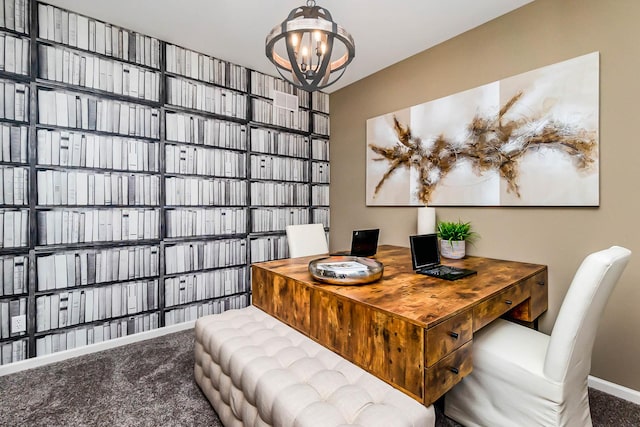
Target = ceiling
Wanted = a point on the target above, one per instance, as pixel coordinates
(385, 31)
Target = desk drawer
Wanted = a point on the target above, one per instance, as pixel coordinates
(449, 335)
(448, 372)
(489, 310)
(530, 309)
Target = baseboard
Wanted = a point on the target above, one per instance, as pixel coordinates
(615, 389)
(35, 362)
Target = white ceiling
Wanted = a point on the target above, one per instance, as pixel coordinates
(385, 31)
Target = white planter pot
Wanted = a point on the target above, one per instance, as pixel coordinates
(455, 249)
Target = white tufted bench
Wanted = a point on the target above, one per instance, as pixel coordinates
(256, 371)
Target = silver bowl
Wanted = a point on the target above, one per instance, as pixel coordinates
(346, 270)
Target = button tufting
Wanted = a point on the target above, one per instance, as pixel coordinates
(264, 370)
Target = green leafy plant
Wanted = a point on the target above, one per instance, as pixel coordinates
(454, 231)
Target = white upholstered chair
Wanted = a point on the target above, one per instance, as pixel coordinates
(522, 377)
(306, 239)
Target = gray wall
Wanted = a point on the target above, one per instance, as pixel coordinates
(541, 33)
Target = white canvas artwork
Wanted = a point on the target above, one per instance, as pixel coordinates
(527, 140)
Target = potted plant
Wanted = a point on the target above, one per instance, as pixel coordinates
(453, 238)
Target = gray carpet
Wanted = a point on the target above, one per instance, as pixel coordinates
(151, 384)
(143, 384)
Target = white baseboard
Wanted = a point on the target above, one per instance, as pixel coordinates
(615, 390)
(93, 348)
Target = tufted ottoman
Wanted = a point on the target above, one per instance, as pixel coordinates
(257, 371)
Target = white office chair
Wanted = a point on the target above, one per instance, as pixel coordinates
(522, 377)
(306, 239)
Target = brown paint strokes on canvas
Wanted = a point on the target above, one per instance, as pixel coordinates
(485, 148)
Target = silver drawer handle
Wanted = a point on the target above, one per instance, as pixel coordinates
(453, 335)
(454, 370)
(508, 302)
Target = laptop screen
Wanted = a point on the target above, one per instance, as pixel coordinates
(364, 242)
(424, 250)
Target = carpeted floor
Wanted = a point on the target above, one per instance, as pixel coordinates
(151, 384)
(143, 384)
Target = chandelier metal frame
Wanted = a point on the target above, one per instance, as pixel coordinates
(308, 66)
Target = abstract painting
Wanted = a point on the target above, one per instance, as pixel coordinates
(526, 140)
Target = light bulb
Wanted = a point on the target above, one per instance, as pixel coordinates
(294, 40)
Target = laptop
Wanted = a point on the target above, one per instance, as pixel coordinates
(425, 257)
(364, 242)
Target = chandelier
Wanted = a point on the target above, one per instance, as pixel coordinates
(309, 49)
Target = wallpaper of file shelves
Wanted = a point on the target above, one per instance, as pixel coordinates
(15, 60)
(320, 171)
(98, 180)
(145, 182)
(280, 164)
(205, 186)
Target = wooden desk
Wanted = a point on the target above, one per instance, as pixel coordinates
(413, 331)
